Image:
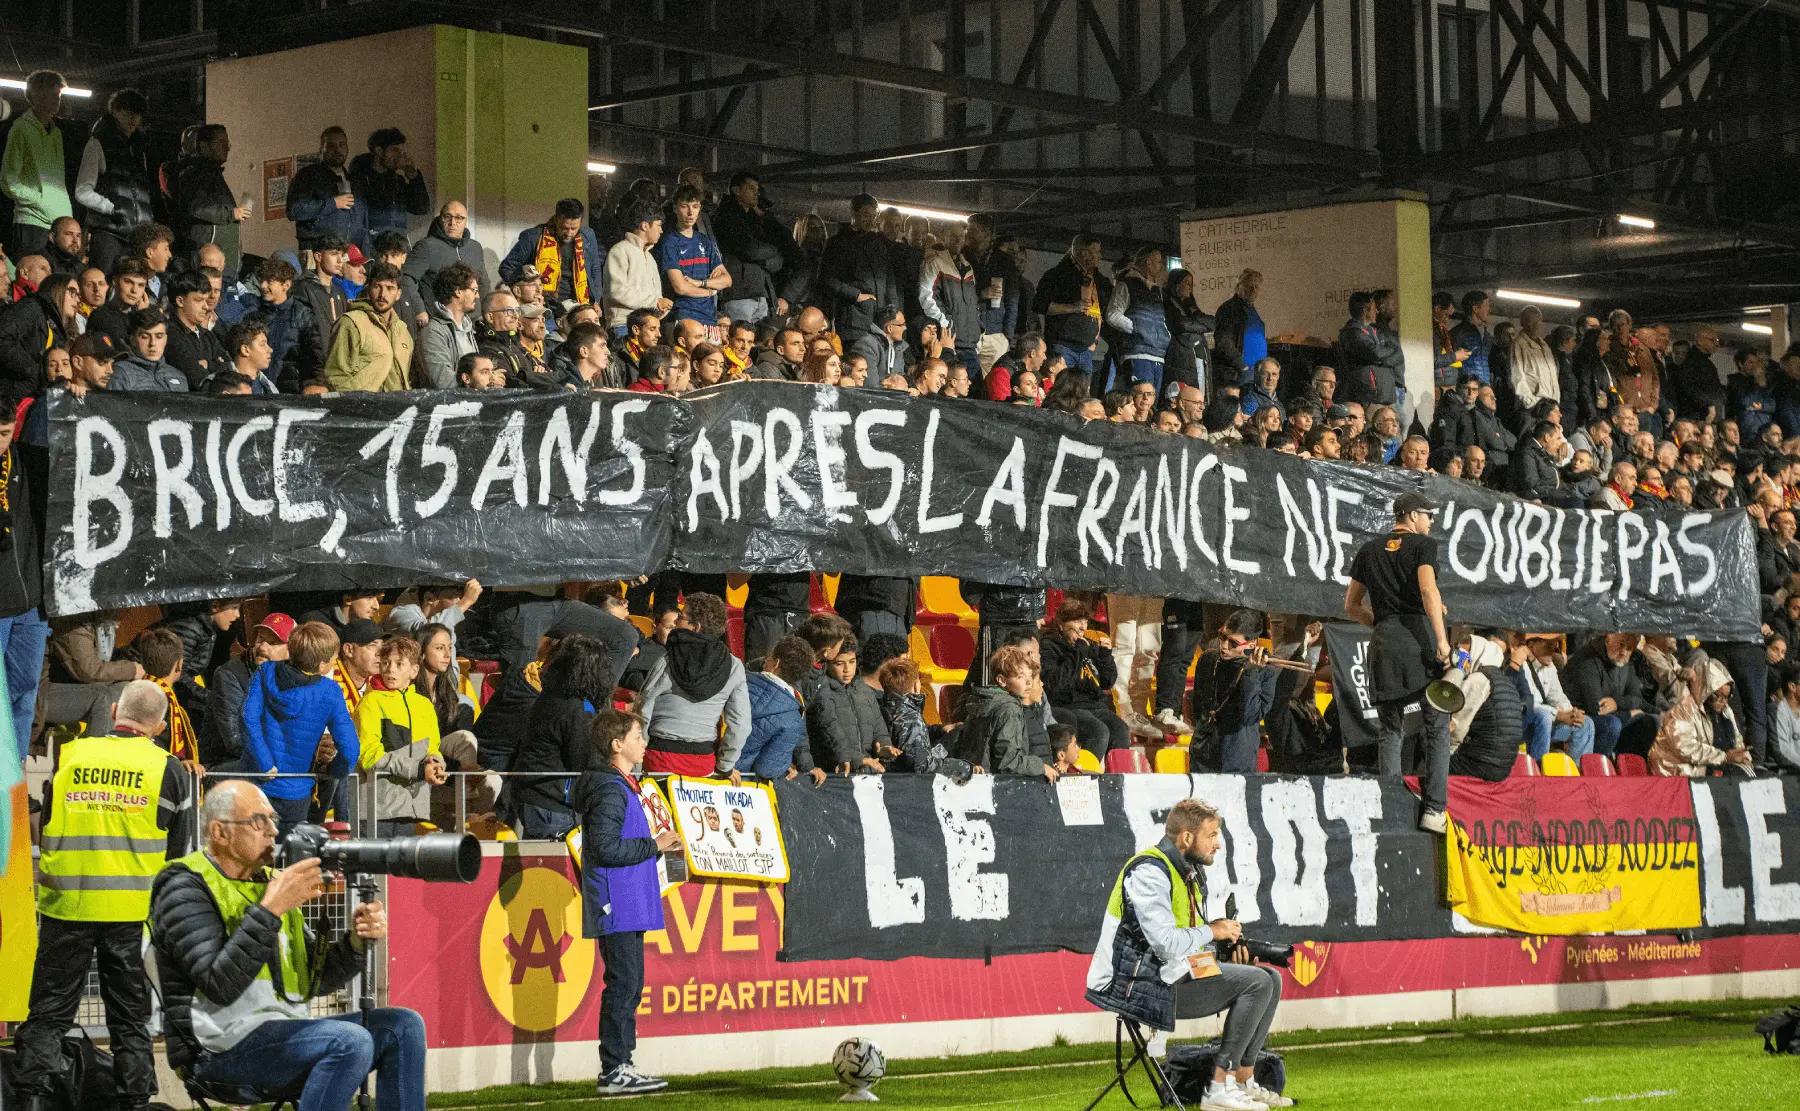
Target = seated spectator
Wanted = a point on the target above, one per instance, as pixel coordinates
(992, 737)
(401, 752)
(1066, 750)
(358, 603)
(1079, 675)
(205, 629)
(775, 747)
(450, 332)
(1551, 719)
(697, 685)
(1534, 473)
(584, 362)
(479, 372)
(844, 723)
(144, 370)
(288, 709)
(1784, 722)
(1701, 732)
(372, 347)
(781, 361)
(222, 730)
(1604, 681)
(653, 370)
(1487, 730)
(130, 292)
(448, 242)
(578, 682)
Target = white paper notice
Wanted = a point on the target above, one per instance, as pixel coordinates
(1079, 796)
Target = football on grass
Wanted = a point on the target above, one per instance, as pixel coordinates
(859, 1062)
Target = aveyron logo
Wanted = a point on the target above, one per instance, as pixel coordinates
(534, 963)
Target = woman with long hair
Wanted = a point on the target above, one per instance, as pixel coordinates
(1066, 394)
(822, 367)
(578, 682)
(437, 679)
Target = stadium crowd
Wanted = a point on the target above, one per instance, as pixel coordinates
(130, 277)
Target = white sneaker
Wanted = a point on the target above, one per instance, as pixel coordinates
(1172, 722)
(626, 1080)
(1432, 821)
(1265, 1097)
(1228, 1095)
(1141, 726)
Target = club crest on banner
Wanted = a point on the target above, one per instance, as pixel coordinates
(1309, 961)
(534, 963)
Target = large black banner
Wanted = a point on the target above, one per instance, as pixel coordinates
(898, 866)
(200, 498)
(1348, 647)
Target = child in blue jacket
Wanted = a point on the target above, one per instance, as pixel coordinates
(288, 708)
(776, 747)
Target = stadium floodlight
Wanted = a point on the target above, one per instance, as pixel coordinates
(1550, 299)
(1631, 221)
(928, 213)
(601, 167)
(68, 90)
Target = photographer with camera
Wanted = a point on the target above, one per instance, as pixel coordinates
(238, 964)
(1158, 959)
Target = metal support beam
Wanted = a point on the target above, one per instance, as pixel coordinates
(1028, 65)
(1271, 61)
(1717, 36)
(752, 75)
(927, 149)
(1396, 85)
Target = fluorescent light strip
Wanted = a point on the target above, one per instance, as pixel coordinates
(1759, 329)
(68, 90)
(1636, 221)
(928, 213)
(1537, 298)
(601, 168)
(1758, 310)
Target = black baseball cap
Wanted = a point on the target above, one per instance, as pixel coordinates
(1412, 502)
(361, 631)
(96, 345)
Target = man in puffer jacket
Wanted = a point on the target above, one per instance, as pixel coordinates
(1489, 727)
(844, 721)
(776, 747)
(287, 710)
(992, 738)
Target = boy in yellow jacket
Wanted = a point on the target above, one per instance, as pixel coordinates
(398, 728)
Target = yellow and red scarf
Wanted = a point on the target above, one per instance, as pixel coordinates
(352, 696)
(181, 727)
(549, 263)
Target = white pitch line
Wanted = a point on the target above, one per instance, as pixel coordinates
(1653, 1094)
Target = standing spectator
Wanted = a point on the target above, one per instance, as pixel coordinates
(321, 201)
(578, 682)
(247, 344)
(563, 252)
(992, 738)
(194, 349)
(94, 292)
(857, 271)
(387, 183)
(401, 755)
(844, 721)
(288, 708)
(996, 286)
(1533, 472)
(694, 689)
(372, 350)
(1138, 312)
(1535, 375)
(208, 212)
(144, 370)
(451, 332)
(1185, 360)
(774, 607)
(1473, 336)
(875, 604)
(1079, 674)
(32, 172)
(446, 243)
(757, 248)
(66, 250)
(948, 296)
(620, 897)
(390, 247)
(775, 747)
(296, 347)
(883, 344)
(1232, 693)
(1240, 340)
(1694, 385)
(691, 263)
(222, 729)
(318, 290)
(633, 279)
(1374, 367)
(1027, 356)
(23, 630)
(584, 362)
(1070, 296)
(155, 245)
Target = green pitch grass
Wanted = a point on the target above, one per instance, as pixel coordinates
(1655, 1058)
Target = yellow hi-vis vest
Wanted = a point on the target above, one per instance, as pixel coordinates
(102, 847)
(1187, 914)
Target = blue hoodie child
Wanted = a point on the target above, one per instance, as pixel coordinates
(286, 712)
(777, 729)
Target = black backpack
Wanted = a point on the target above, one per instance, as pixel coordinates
(1780, 1030)
(1189, 1069)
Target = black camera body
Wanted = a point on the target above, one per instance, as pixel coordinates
(1262, 952)
(434, 857)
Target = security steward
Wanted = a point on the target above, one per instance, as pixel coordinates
(1393, 589)
(118, 809)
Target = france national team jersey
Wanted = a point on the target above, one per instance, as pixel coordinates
(695, 256)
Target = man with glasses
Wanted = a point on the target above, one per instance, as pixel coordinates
(1393, 589)
(238, 965)
(497, 336)
(447, 243)
(118, 808)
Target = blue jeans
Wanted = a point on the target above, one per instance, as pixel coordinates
(1077, 358)
(1542, 731)
(1616, 733)
(330, 1057)
(746, 310)
(1135, 369)
(622, 955)
(22, 638)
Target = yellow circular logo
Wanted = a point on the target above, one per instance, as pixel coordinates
(534, 962)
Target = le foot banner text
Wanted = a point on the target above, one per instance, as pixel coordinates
(213, 497)
(896, 866)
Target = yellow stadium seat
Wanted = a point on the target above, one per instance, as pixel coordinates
(1087, 761)
(941, 594)
(828, 583)
(736, 594)
(1172, 760)
(1558, 763)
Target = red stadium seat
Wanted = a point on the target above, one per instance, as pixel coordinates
(952, 646)
(818, 601)
(1631, 764)
(1595, 764)
(1523, 764)
(1262, 759)
(734, 633)
(1125, 760)
(950, 702)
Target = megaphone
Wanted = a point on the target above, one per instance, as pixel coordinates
(1444, 696)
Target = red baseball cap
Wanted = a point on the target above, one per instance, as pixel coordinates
(355, 256)
(278, 623)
